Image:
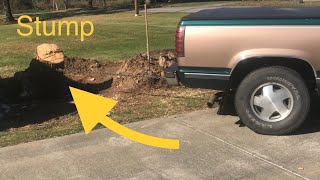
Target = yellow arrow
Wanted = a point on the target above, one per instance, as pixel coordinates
(93, 109)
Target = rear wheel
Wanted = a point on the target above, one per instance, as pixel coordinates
(273, 100)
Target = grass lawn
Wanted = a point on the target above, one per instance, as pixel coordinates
(153, 107)
(117, 37)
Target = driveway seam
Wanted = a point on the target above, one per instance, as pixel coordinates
(246, 152)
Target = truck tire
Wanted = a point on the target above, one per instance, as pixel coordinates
(273, 100)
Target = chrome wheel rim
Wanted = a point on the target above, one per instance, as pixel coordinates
(271, 102)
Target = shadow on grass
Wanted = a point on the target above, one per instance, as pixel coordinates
(38, 94)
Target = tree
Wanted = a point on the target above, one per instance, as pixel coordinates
(136, 7)
(90, 3)
(66, 4)
(7, 11)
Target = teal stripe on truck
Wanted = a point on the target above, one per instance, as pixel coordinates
(222, 71)
(251, 22)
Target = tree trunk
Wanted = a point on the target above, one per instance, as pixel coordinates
(66, 4)
(7, 11)
(90, 3)
(49, 4)
(53, 4)
(57, 7)
(136, 7)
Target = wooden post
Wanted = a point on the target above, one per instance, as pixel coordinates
(147, 33)
(136, 7)
(57, 8)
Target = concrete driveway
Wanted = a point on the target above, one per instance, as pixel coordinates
(212, 147)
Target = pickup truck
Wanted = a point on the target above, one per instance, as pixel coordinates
(265, 60)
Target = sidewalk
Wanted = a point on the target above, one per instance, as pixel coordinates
(211, 147)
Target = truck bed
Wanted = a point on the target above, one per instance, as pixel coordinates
(256, 13)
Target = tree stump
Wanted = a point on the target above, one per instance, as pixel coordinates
(49, 54)
(44, 77)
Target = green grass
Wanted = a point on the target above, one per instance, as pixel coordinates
(149, 107)
(45, 130)
(117, 37)
(159, 107)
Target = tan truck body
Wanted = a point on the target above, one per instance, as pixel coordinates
(211, 44)
(220, 46)
(265, 60)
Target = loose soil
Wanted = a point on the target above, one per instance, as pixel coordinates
(40, 95)
(44, 82)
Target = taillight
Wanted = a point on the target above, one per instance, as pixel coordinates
(180, 41)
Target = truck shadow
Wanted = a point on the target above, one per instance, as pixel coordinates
(312, 124)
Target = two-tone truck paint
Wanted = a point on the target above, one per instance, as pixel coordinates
(266, 59)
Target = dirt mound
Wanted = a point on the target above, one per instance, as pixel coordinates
(42, 81)
(79, 65)
(138, 72)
